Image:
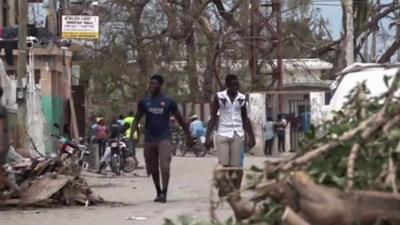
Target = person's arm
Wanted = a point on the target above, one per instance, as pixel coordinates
(247, 127)
(181, 122)
(212, 122)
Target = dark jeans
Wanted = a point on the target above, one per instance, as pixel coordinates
(281, 141)
(102, 146)
(268, 147)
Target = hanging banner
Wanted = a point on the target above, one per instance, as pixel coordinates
(80, 27)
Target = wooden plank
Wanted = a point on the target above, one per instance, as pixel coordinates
(74, 123)
(44, 188)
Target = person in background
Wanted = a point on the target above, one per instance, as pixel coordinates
(157, 109)
(115, 129)
(131, 142)
(115, 132)
(91, 135)
(269, 136)
(196, 127)
(280, 131)
(101, 136)
(66, 132)
(120, 119)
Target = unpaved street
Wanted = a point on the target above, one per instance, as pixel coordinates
(189, 194)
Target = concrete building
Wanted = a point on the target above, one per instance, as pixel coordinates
(52, 88)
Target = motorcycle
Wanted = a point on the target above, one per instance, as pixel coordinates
(69, 149)
(177, 141)
(197, 148)
(121, 158)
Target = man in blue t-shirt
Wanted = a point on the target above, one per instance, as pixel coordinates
(196, 127)
(158, 147)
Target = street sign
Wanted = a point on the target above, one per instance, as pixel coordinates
(80, 27)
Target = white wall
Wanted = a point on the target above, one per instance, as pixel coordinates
(257, 116)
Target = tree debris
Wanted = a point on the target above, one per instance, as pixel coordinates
(347, 176)
(44, 182)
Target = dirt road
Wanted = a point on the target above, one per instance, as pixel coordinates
(189, 195)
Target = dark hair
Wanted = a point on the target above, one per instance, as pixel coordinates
(130, 113)
(121, 117)
(230, 77)
(157, 77)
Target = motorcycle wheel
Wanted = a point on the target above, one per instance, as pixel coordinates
(182, 148)
(196, 151)
(199, 150)
(84, 163)
(130, 165)
(115, 165)
(204, 151)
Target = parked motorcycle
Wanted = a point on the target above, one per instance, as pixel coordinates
(69, 149)
(121, 158)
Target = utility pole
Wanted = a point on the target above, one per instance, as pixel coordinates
(277, 4)
(21, 72)
(52, 18)
(274, 25)
(253, 55)
(349, 36)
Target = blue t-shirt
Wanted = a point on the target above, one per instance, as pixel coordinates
(158, 110)
(196, 129)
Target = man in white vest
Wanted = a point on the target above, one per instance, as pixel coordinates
(229, 113)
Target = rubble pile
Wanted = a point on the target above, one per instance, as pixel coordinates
(44, 182)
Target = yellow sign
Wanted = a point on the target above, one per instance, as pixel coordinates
(80, 27)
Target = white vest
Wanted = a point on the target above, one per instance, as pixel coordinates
(230, 117)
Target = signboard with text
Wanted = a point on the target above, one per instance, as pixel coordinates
(80, 27)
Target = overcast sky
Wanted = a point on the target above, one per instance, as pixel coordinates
(332, 10)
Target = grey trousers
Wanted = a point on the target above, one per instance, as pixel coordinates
(229, 150)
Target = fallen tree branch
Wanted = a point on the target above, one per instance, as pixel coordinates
(392, 174)
(289, 217)
(350, 165)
